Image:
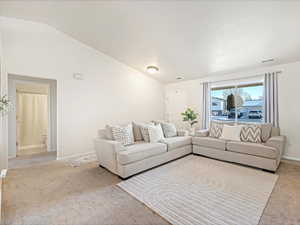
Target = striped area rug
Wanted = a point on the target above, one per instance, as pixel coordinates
(197, 190)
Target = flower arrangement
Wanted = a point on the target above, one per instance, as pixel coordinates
(5, 105)
(190, 116)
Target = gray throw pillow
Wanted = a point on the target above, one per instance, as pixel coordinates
(169, 129)
(266, 130)
(251, 133)
(215, 129)
(108, 133)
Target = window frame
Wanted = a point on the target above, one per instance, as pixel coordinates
(235, 87)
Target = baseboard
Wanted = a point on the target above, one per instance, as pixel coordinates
(32, 146)
(290, 158)
(75, 155)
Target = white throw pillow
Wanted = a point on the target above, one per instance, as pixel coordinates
(231, 133)
(155, 133)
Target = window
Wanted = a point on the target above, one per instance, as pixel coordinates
(239, 103)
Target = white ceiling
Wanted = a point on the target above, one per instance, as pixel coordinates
(183, 38)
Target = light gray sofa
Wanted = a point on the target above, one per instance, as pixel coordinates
(126, 161)
(265, 155)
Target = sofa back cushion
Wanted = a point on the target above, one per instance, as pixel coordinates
(102, 133)
(251, 133)
(275, 131)
(266, 130)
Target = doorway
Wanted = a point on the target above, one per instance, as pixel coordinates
(32, 123)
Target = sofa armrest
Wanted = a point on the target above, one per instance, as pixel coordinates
(202, 133)
(106, 151)
(182, 133)
(277, 142)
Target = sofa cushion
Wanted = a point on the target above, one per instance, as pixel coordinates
(209, 142)
(252, 149)
(177, 142)
(140, 151)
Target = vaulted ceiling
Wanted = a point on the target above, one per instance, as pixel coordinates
(183, 38)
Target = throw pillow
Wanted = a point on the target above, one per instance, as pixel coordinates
(137, 133)
(108, 133)
(123, 134)
(169, 129)
(145, 132)
(215, 129)
(266, 130)
(251, 133)
(155, 133)
(231, 133)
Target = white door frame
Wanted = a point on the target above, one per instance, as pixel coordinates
(52, 111)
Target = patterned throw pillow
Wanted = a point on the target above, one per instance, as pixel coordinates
(123, 134)
(145, 133)
(169, 129)
(215, 129)
(251, 133)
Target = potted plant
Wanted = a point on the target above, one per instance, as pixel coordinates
(191, 117)
(5, 105)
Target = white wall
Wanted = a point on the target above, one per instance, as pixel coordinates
(111, 92)
(289, 104)
(3, 120)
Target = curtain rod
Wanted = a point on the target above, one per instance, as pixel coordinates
(240, 78)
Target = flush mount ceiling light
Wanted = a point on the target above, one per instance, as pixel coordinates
(179, 78)
(267, 60)
(152, 69)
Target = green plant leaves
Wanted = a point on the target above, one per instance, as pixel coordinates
(190, 116)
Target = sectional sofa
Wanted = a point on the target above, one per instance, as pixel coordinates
(126, 161)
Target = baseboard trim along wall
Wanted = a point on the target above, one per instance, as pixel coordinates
(32, 146)
(290, 158)
(75, 156)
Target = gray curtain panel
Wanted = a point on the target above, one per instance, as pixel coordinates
(271, 99)
(206, 105)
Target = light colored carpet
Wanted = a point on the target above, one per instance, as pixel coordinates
(196, 190)
(31, 160)
(46, 194)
